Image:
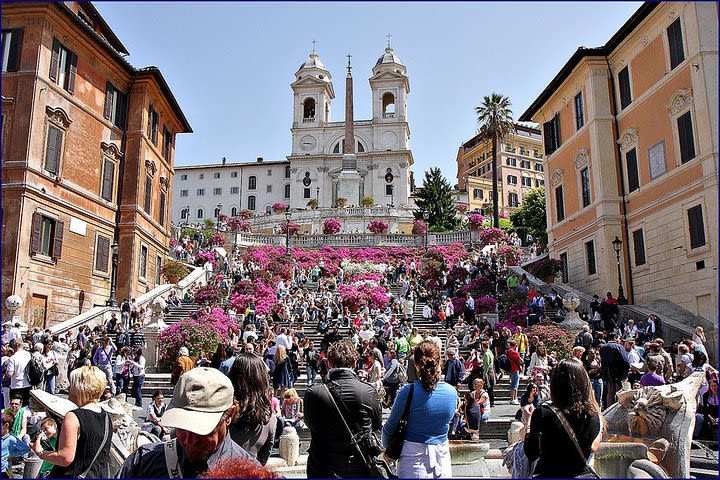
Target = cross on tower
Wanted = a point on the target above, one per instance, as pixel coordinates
(388, 37)
(314, 42)
(348, 66)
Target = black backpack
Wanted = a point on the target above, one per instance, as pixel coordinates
(34, 372)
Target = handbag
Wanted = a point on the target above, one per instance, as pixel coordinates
(367, 446)
(53, 371)
(394, 448)
(568, 429)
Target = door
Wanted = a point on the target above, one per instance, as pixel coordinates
(38, 311)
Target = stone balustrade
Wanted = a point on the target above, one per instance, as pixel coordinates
(305, 216)
(355, 239)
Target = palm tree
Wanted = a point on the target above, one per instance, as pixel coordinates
(494, 118)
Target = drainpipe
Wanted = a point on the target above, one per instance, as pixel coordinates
(631, 290)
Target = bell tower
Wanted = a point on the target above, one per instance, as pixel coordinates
(390, 87)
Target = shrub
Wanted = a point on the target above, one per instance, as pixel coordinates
(331, 226)
(462, 207)
(238, 224)
(217, 239)
(203, 334)
(290, 228)
(341, 202)
(378, 226)
(485, 304)
(279, 207)
(517, 314)
(245, 214)
(174, 269)
(207, 295)
(419, 227)
(209, 223)
(556, 339)
(476, 221)
(510, 254)
(312, 204)
(368, 201)
(545, 267)
(490, 236)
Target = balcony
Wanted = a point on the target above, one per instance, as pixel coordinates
(309, 120)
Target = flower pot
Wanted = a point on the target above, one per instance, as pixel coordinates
(174, 280)
(550, 278)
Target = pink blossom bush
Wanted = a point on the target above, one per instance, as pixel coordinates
(490, 236)
(510, 254)
(476, 220)
(556, 339)
(517, 314)
(331, 226)
(378, 226)
(290, 227)
(279, 207)
(203, 256)
(419, 227)
(238, 224)
(485, 304)
(203, 334)
(462, 207)
(358, 294)
(207, 295)
(173, 244)
(216, 239)
(245, 214)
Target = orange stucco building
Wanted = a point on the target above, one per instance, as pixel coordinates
(87, 161)
(631, 142)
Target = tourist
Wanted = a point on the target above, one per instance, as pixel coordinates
(706, 417)
(19, 414)
(48, 437)
(453, 369)
(632, 358)
(614, 368)
(292, 409)
(572, 398)
(137, 367)
(593, 366)
(200, 411)
(392, 376)
(153, 416)
(312, 358)
(50, 364)
(331, 453)
(578, 352)
(651, 378)
(523, 345)
(515, 365)
(282, 374)
(15, 371)
(86, 433)
(229, 359)
(477, 408)
(183, 364)
(684, 361)
(12, 446)
(102, 358)
(699, 340)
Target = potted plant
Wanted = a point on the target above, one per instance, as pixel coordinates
(341, 202)
(331, 226)
(368, 201)
(279, 207)
(545, 269)
(174, 270)
(378, 226)
(312, 204)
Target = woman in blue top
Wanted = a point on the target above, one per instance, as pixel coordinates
(426, 452)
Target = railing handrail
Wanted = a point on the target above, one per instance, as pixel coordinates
(356, 239)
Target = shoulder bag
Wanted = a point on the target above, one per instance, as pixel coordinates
(394, 449)
(102, 446)
(366, 444)
(568, 429)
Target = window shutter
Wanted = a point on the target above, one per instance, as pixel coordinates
(108, 100)
(149, 124)
(148, 193)
(556, 122)
(35, 236)
(15, 49)
(547, 132)
(697, 226)
(686, 137)
(108, 180)
(121, 115)
(58, 240)
(54, 145)
(161, 213)
(632, 170)
(55, 60)
(73, 72)
(102, 254)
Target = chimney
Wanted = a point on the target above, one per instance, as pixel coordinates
(260, 159)
(224, 160)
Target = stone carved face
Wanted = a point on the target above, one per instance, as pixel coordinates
(646, 413)
(571, 301)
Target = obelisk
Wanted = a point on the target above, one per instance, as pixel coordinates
(349, 178)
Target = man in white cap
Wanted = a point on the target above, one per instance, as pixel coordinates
(200, 411)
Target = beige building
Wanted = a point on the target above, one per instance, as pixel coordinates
(520, 169)
(631, 137)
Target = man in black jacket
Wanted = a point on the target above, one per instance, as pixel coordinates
(331, 453)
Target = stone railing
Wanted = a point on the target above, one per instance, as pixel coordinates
(675, 323)
(355, 239)
(301, 216)
(99, 315)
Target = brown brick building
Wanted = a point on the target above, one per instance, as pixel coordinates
(87, 150)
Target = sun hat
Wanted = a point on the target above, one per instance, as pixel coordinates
(201, 397)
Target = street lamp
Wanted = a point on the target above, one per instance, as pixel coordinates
(219, 209)
(187, 215)
(617, 243)
(317, 196)
(288, 214)
(112, 301)
(426, 216)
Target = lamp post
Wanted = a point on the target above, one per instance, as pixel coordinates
(426, 216)
(187, 215)
(317, 196)
(288, 214)
(219, 209)
(617, 243)
(470, 229)
(112, 301)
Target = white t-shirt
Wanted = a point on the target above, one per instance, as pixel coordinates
(17, 363)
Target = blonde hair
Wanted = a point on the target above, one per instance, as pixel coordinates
(578, 349)
(478, 381)
(88, 384)
(292, 393)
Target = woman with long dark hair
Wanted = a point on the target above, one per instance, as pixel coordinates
(425, 452)
(572, 399)
(254, 424)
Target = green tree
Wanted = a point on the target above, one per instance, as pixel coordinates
(530, 217)
(494, 118)
(435, 197)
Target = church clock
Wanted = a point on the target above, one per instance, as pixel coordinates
(308, 142)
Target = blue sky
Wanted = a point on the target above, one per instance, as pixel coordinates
(230, 65)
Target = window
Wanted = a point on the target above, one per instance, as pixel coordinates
(526, 181)
(252, 182)
(511, 162)
(551, 134)
(200, 213)
(233, 174)
(564, 271)
(639, 247)
(513, 200)
(287, 191)
(523, 151)
(216, 175)
(183, 177)
(590, 257)
(234, 190)
(489, 167)
(143, 261)
(536, 153)
(153, 125)
(148, 194)
(47, 236)
(508, 148)
(675, 44)
(217, 212)
(585, 186)
(184, 214)
(525, 164)
(512, 180)
(158, 267)
(102, 254)
(217, 191)
(167, 142)
(632, 170)
(477, 193)
(53, 149)
(268, 189)
(108, 179)
(559, 205)
(309, 110)
(233, 211)
(686, 137)
(287, 171)
(161, 212)
(63, 66)
(697, 226)
(539, 167)
(200, 192)
(201, 176)
(539, 183)
(388, 190)
(251, 202)
(306, 193)
(624, 84)
(115, 105)
(11, 43)
(269, 173)
(579, 112)
(482, 170)
(268, 209)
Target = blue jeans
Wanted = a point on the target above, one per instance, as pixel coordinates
(50, 383)
(311, 374)
(699, 420)
(122, 384)
(597, 385)
(514, 380)
(137, 389)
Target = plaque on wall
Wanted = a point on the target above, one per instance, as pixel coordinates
(656, 158)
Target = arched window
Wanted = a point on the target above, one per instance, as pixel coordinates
(341, 145)
(233, 211)
(251, 202)
(309, 109)
(201, 214)
(360, 148)
(388, 104)
(287, 191)
(183, 214)
(337, 147)
(252, 182)
(217, 213)
(268, 209)
(287, 171)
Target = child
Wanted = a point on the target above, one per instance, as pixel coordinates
(48, 439)
(12, 446)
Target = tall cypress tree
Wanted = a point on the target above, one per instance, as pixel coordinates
(435, 197)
